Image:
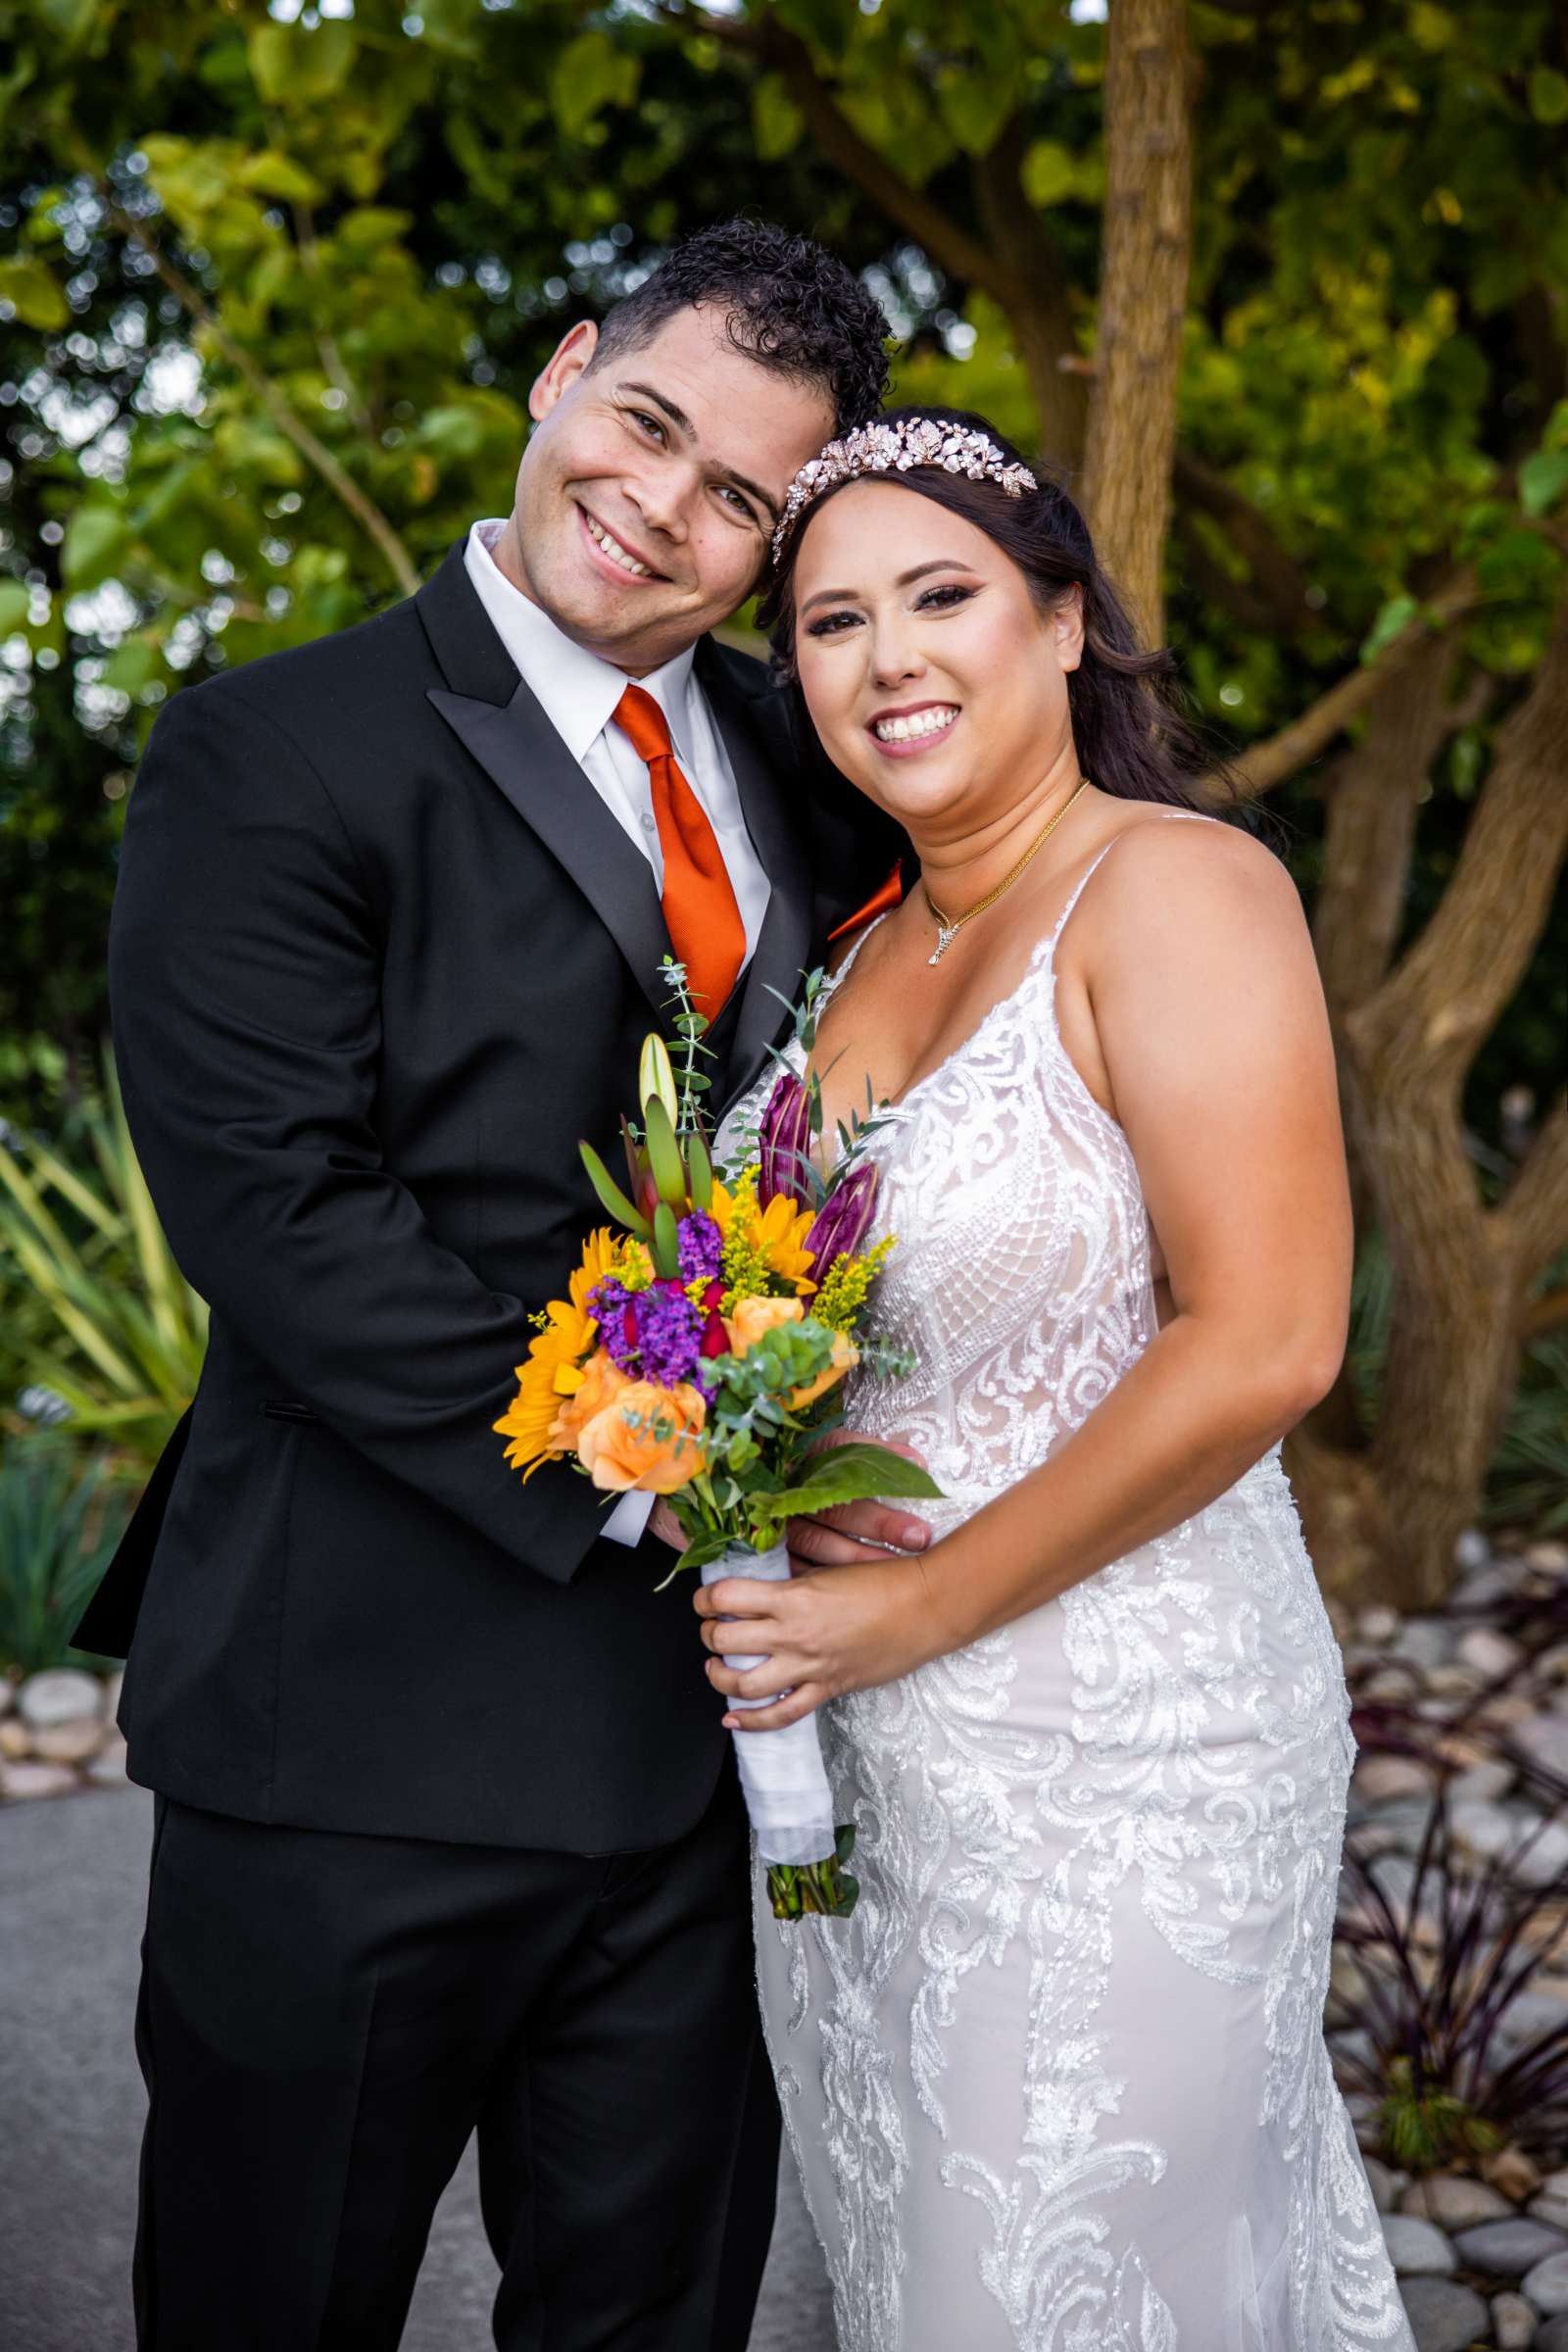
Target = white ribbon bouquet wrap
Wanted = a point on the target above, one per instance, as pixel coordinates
(702, 1356)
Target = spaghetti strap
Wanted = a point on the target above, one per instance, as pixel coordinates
(1049, 949)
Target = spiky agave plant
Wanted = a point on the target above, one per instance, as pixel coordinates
(97, 1311)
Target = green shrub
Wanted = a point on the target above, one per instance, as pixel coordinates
(61, 1512)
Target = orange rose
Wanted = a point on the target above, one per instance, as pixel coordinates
(599, 1384)
(649, 1438)
(755, 1316)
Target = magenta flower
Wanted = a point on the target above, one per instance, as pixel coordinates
(784, 1138)
(844, 1221)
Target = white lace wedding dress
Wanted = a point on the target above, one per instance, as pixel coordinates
(1059, 2083)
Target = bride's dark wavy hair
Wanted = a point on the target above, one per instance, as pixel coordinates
(1130, 732)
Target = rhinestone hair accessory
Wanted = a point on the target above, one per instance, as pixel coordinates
(879, 448)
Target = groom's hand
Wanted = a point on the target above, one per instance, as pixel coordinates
(856, 1531)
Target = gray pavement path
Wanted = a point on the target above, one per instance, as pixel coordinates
(73, 1874)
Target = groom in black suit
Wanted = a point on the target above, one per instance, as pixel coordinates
(446, 1837)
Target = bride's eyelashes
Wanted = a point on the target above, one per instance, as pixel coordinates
(946, 599)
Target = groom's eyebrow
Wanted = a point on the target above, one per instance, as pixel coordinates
(906, 579)
(683, 424)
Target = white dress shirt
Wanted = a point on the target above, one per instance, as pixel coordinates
(578, 694)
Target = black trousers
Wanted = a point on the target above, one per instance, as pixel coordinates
(324, 2020)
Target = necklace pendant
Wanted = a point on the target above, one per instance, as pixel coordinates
(946, 934)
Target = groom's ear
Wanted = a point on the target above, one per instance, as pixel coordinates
(567, 363)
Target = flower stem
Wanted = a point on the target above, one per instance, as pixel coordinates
(821, 1890)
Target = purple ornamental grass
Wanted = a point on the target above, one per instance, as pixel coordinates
(784, 1138)
(844, 1221)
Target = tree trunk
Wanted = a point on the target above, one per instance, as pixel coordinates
(1143, 298)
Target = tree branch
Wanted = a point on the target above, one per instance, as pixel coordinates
(1533, 1214)
(1277, 579)
(1542, 1315)
(365, 513)
(1284, 754)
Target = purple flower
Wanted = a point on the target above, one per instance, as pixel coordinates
(669, 1332)
(844, 1221)
(784, 1138)
(702, 1246)
(612, 1305)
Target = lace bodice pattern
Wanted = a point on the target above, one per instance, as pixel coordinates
(1125, 1808)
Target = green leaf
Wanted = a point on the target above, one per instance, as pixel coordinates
(35, 293)
(15, 605)
(612, 1197)
(272, 174)
(1048, 173)
(294, 64)
(591, 73)
(776, 121)
(134, 663)
(1548, 94)
(1396, 614)
(848, 1474)
(95, 538)
(974, 107)
(1543, 480)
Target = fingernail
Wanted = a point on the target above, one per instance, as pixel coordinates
(917, 1535)
(731, 1723)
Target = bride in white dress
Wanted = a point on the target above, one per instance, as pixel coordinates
(1059, 2083)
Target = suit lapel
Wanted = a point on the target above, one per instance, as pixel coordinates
(758, 742)
(498, 721)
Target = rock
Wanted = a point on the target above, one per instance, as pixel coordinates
(1396, 1684)
(60, 1695)
(70, 1743)
(1444, 2317)
(1378, 1626)
(1416, 2246)
(1455, 1682)
(1550, 1558)
(1545, 1862)
(1484, 1587)
(1532, 2012)
(1464, 1750)
(1481, 1784)
(8, 1693)
(111, 1694)
(1517, 2174)
(1544, 1741)
(1553, 2336)
(1513, 2324)
(1488, 1652)
(15, 1738)
(108, 1770)
(1547, 2285)
(1488, 1829)
(1454, 2202)
(1508, 2249)
(1471, 1549)
(1378, 1777)
(1551, 2206)
(35, 1779)
(1424, 1641)
(1551, 1665)
(1384, 2185)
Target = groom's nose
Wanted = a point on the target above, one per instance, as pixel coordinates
(662, 499)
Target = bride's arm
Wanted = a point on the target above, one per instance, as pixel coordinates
(1208, 1017)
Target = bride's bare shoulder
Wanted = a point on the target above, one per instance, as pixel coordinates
(1182, 867)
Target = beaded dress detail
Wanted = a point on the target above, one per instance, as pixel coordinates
(1059, 2083)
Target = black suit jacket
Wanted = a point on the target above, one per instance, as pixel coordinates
(379, 958)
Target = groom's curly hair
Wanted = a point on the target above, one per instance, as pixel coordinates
(790, 305)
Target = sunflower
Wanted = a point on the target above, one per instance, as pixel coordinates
(554, 1358)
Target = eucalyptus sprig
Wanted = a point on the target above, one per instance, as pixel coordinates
(691, 1027)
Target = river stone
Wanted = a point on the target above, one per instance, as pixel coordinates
(15, 1740)
(1455, 2201)
(1542, 1741)
(1547, 2285)
(1488, 1652)
(1482, 1784)
(1443, 2315)
(7, 1693)
(1513, 2324)
(1415, 2245)
(1424, 1641)
(1471, 1549)
(1384, 2185)
(1378, 1777)
(26, 1779)
(59, 1696)
(1377, 1624)
(1550, 1558)
(108, 1770)
(1552, 2205)
(70, 1743)
(1508, 2249)
(1553, 2335)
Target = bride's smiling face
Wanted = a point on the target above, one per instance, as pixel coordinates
(935, 679)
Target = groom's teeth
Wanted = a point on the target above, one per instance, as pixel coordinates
(616, 552)
(919, 722)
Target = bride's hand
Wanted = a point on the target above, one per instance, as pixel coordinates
(822, 1634)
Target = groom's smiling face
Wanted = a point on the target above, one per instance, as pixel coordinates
(649, 491)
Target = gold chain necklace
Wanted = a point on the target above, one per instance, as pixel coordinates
(948, 932)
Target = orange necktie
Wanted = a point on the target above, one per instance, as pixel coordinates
(701, 914)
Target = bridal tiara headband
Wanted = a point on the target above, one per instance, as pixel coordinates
(913, 441)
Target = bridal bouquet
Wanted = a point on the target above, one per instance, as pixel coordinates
(698, 1356)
